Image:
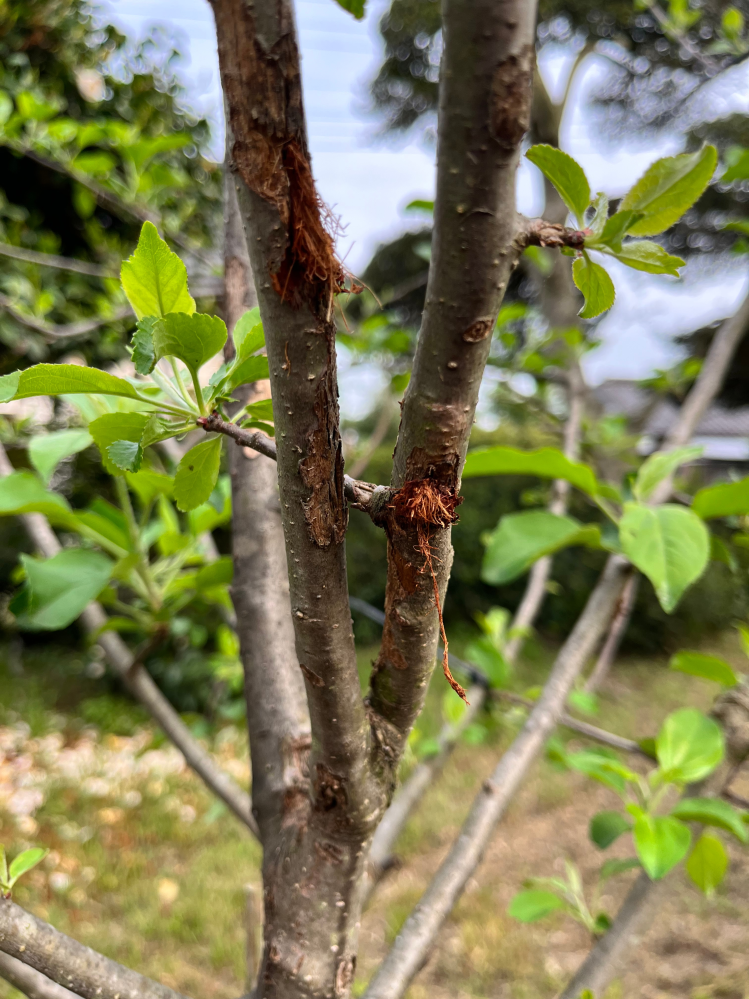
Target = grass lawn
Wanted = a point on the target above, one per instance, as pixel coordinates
(145, 867)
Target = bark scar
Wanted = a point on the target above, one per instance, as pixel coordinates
(510, 100)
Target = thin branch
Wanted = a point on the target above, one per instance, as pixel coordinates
(67, 331)
(63, 960)
(58, 263)
(416, 939)
(539, 232)
(359, 465)
(614, 638)
(359, 493)
(30, 982)
(139, 682)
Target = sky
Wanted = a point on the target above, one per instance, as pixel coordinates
(368, 180)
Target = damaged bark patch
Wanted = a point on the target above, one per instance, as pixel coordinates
(312, 678)
(478, 330)
(321, 471)
(269, 152)
(510, 99)
(425, 502)
(330, 790)
(344, 976)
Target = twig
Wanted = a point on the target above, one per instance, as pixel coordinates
(139, 682)
(62, 332)
(58, 263)
(616, 634)
(30, 982)
(65, 961)
(359, 493)
(376, 438)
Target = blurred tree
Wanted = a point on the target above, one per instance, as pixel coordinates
(95, 136)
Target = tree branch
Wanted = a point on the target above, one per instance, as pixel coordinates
(138, 681)
(59, 263)
(614, 638)
(416, 939)
(483, 116)
(277, 716)
(63, 960)
(66, 331)
(30, 982)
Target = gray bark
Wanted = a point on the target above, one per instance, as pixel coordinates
(30, 982)
(614, 638)
(68, 963)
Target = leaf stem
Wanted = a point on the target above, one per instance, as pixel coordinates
(143, 569)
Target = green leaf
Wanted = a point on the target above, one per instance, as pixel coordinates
(355, 7)
(126, 455)
(22, 492)
(669, 544)
(46, 451)
(567, 176)
(707, 863)
(251, 369)
(3, 867)
(668, 188)
(248, 333)
(731, 499)
(197, 474)
(521, 538)
(600, 217)
(147, 485)
(144, 356)
(689, 746)
(546, 462)
(644, 255)
(63, 379)
(596, 286)
(154, 278)
(530, 906)
(713, 812)
(707, 667)
(658, 467)
(115, 427)
(24, 862)
(194, 339)
(732, 23)
(606, 827)
(616, 229)
(60, 587)
(661, 842)
(613, 867)
(483, 653)
(218, 573)
(605, 769)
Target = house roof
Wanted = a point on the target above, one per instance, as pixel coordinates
(618, 396)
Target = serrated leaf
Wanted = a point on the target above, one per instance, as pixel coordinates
(669, 544)
(144, 356)
(46, 451)
(60, 587)
(600, 216)
(154, 278)
(24, 862)
(197, 474)
(644, 255)
(520, 539)
(251, 369)
(194, 338)
(63, 379)
(567, 176)
(530, 906)
(114, 427)
(248, 333)
(707, 667)
(689, 746)
(668, 188)
(23, 492)
(126, 455)
(713, 812)
(661, 842)
(659, 466)
(707, 864)
(545, 462)
(730, 499)
(596, 286)
(606, 827)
